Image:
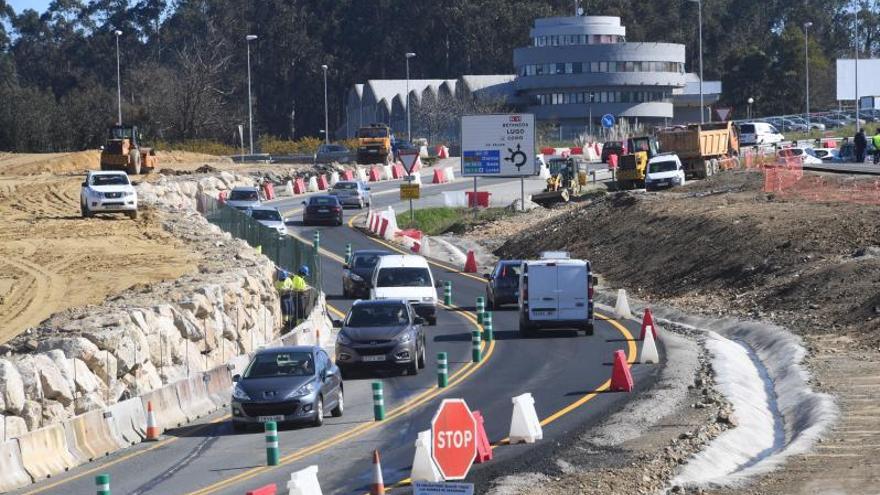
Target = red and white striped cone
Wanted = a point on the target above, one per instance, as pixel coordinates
(152, 429)
(378, 486)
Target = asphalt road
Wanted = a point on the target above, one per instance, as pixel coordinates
(866, 168)
(567, 374)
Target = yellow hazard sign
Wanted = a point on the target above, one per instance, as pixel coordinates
(409, 191)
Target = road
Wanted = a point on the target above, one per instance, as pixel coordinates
(567, 374)
(866, 168)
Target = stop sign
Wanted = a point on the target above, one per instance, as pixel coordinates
(454, 439)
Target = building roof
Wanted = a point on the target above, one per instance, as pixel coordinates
(495, 84)
(388, 89)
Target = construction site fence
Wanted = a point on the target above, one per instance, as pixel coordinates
(286, 252)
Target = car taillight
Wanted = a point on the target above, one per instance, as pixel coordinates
(337, 209)
(590, 292)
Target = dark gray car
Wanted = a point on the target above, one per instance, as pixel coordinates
(358, 274)
(381, 333)
(328, 153)
(297, 384)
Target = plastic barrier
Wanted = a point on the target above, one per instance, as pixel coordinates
(44, 452)
(544, 172)
(577, 150)
(484, 448)
(347, 174)
(322, 182)
(193, 397)
(441, 151)
(454, 199)
(548, 151)
(219, 386)
(334, 178)
(481, 199)
(387, 172)
(423, 152)
(397, 171)
(304, 482)
(313, 184)
(649, 348)
(14, 475)
(299, 186)
(524, 424)
(439, 177)
(91, 435)
(449, 174)
(563, 152)
(621, 307)
(423, 467)
(621, 378)
(383, 225)
(264, 490)
(269, 190)
(375, 174)
(129, 418)
(166, 407)
(612, 160)
(412, 233)
(362, 174)
(289, 188)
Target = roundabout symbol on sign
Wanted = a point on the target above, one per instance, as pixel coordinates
(517, 157)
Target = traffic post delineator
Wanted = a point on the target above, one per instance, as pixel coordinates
(442, 370)
(481, 308)
(102, 484)
(488, 333)
(348, 253)
(272, 454)
(447, 293)
(475, 343)
(316, 240)
(378, 402)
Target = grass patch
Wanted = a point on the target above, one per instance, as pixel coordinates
(443, 220)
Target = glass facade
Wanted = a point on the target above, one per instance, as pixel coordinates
(577, 39)
(599, 67)
(581, 97)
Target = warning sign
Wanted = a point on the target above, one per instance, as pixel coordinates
(498, 145)
(410, 191)
(429, 488)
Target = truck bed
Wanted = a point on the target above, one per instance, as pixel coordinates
(693, 143)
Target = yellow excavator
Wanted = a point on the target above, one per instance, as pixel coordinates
(632, 167)
(567, 177)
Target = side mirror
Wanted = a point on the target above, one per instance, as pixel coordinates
(594, 280)
(329, 372)
(236, 378)
(487, 276)
(345, 266)
(368, 189)
(84, 184)
(337, 323)
(418, 320)
(304, 203)
(438, 284)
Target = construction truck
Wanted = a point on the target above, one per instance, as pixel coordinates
(123, 152)
(704, 149)
(631, 168)
(567, 177)
(374, 144)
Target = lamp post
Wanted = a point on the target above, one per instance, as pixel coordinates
(750, 100)
(856, 27)
(118, 33)
(700, 17)
(248, 39)
(807, 26)
(591, 113)
(326, 118)
(408, 55)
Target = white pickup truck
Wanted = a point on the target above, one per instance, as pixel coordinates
(108, 192)
(556, 292)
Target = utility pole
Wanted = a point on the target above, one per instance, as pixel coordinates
(326, 118)
(700, 17)
(118, 33)
(807, 26)
(858, 123)
(248, 39)
(408, 55)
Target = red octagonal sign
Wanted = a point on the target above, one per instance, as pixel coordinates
(454, 439)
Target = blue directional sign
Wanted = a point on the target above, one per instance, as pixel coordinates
(482, 162)
(608, 121)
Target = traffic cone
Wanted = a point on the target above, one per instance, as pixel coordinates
(622, 306)
(621, 379)
(648, 321)
(649, 348)
(378, 486)
(152, 429)
(470, 266)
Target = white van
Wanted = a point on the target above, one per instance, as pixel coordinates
(758, 133)
(556, 292)
(664, 170)
(407, 277)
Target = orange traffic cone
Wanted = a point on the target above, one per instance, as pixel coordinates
(378, 486)
(648, 321)
(152, 429)
(470, 266)
(621, 379)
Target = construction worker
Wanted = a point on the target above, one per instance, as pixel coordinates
(860, 143)
(285, 287)
(876, 142)
(300, 290)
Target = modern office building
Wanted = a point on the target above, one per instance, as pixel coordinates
(574, 71)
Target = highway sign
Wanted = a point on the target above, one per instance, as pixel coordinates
(498, 145)
(608, 121)
(409, 191)
(409, 157)
(453, 439)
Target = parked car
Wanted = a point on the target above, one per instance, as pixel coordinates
(298, 384)
(107, 192)
(556, 292)
(503, 284)
(798, 153)
(244, 197)
(794, 126)
(329, 153)
(352, 192)
(381, 333)
(664, 170)
(357, 274)
(824, 154)
(270, 217)
(401, 144)
(831, 122)
(407, 277)
(322, 209)
(612, 148)
(759, 133)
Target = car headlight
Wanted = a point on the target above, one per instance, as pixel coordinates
(239, 393)
(128, 194)
(306, 389)
(406, 337)
(343, 339)
(427, 299)
(356, 277)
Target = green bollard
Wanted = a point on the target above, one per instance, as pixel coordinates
(442, 370)
(488, 335)
(348, 253)
(481, 308)
(271, 443)
(316, 240)
(447, 293)
(378, 402)
(475, 341)
(102, 483)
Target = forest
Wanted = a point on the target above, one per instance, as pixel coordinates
(183, 63)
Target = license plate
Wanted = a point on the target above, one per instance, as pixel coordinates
(542, 313)
(323, 210)
(373, 359)
(266, 419)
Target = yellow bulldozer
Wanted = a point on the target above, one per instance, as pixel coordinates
(123, 152)
(567, 177)
(631, 167)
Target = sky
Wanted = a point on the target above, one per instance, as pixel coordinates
(20, 5)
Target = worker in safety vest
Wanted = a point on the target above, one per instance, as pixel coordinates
(876, 142)
(285, 287)
(300, 293)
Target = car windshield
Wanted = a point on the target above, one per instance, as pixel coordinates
(270, 364)
(378, 315)
(110, 180)
(269, 215)
(346, 185)
(403, 277)
(373, 133)
(365, 260)
(323, 201)
(664, 166)
(243, 195)
(509, 270)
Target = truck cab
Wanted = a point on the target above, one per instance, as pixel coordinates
(631, 167)
(375, 144)
(555, 292)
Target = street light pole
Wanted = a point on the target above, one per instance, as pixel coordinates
(408, 56)
(118, 81)
(807, 26)
(858, 124)
(248, 39)
(326, 112)
(700, 18)
(750, 100)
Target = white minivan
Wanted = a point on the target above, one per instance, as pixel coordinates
(556, 292)
(407, 277)
(664, 170)
(758, 133)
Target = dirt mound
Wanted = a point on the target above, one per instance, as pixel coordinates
(48, 163)
(723, 246)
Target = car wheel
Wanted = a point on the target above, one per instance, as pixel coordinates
(86, 213)
(340, 405)
(132, 214)
(319, 412)
(490, 304)
(344, 372)
(413, 367)
(588, 330)
(239, 427)
(422, 358)
(432, 321)
(361, 205)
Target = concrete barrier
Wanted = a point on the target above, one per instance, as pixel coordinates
(14, 475)
(44, 452)
(130, 419)
(193, 397)
(219, 386)
(166, 407)
(91, 435)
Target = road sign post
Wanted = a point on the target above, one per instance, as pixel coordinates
(409, 158)
(454, 439)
